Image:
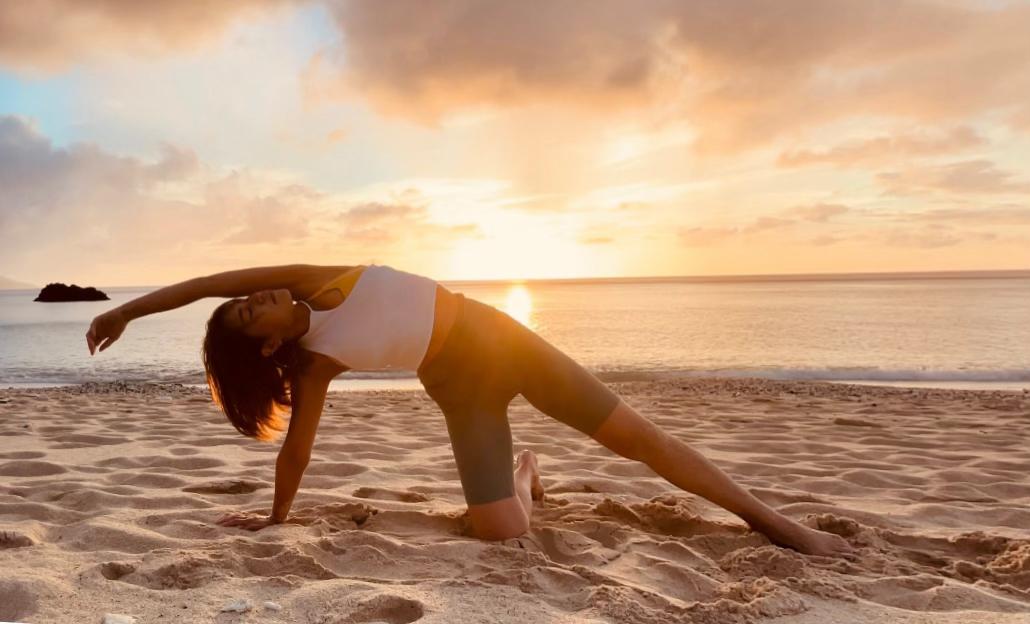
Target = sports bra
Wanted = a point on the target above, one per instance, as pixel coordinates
(386, 321)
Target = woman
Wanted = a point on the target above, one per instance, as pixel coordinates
(288, 330)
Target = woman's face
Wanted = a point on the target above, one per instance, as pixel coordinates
(264, 314)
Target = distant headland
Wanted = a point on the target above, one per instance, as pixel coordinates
(58, 292)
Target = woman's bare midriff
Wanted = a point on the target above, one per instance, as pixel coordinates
(446, 311)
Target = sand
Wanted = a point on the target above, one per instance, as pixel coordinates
(109, 496)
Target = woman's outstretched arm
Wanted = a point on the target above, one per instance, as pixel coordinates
(298, 278)
(238, 283)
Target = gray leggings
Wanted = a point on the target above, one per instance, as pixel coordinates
(487, 358)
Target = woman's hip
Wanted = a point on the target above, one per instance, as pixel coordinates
(480, 349)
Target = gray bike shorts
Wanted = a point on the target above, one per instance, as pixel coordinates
(486, 360)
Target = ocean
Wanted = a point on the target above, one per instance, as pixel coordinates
(918, 330)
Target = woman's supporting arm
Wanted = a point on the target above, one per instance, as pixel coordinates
(307, 396)
(289, 470)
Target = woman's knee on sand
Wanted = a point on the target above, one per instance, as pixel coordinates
(498, 520)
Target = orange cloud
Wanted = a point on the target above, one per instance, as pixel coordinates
(390, 223)
(970, 176)
(702, 236)
(820, 212)
(881, 148)
(743, 73)
(1006, 214)
(52, 34)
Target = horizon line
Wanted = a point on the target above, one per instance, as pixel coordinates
(736, 277)
(774, 277)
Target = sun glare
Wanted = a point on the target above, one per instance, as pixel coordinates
(519, 304)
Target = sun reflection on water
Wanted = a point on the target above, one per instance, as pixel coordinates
(518, 304)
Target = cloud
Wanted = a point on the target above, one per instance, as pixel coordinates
(705, 236)
(462, 54)
(279, 216)
(767, 223)
(819, 213)
(824, 240)
(701, 236)
(879, 149)
(738, 75)
(1005, 214)
(601, 234)
(48, 35)
(928, 237)
(390, 223)
(965, 177)
(39, 179)
(742, 73)
(80, 208)
(137, 204)
(816, 213)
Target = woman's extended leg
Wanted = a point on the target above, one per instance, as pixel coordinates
(558, 386)
(631, 435)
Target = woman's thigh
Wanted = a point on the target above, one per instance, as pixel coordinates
(557, 385)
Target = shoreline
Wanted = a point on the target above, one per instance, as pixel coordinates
(413, 384)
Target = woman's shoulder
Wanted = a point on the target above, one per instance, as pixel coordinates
(323, 278)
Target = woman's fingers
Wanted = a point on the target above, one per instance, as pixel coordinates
(96, 337)
(104, 330)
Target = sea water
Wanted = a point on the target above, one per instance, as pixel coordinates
(936, 331)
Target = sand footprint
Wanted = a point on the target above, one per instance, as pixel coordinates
(18, 601)
(388, 494)
(232, 486)
(30, 469)
(383, 608)
(338, 516)
(115, 570)
(74, 441)
(14, 539)
(339, 469)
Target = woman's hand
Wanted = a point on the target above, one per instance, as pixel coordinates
(249, 521)
(106, 328)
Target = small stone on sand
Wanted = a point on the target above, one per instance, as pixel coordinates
(239, 606)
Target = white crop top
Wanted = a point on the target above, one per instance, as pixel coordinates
(386, 321)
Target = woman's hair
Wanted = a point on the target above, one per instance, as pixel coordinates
(252, 390)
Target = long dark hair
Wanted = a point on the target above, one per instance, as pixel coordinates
(252, 390)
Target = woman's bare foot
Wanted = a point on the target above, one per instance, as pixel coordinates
(528, 458)
(791, 534)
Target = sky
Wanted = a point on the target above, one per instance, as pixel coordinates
(143, 143)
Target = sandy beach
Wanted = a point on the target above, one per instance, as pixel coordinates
(109, 494)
